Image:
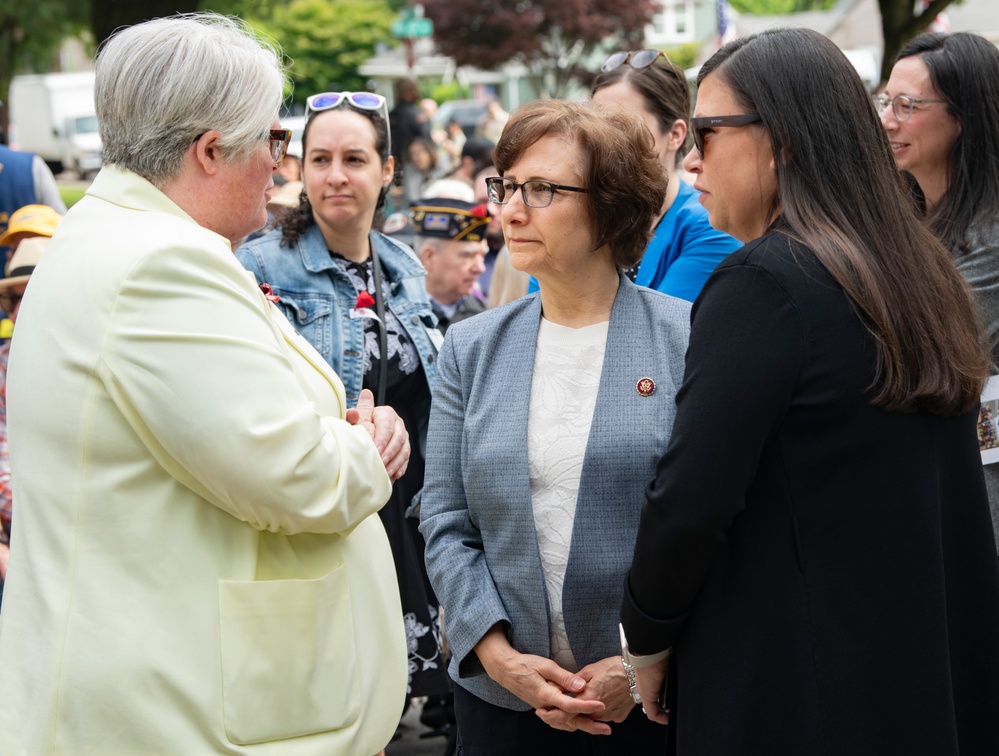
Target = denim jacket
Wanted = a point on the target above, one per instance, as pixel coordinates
(317, 298)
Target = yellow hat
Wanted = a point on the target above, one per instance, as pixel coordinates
(32, 219)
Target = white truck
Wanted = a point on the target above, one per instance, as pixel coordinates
(53, 116)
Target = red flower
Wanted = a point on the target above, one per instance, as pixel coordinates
(269, 293)
(480, 211)
(364, 300)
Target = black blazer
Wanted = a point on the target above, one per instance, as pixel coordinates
(823, 568)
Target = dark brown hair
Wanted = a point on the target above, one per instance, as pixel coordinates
(840, 193)
(663, 87)
(295, 221)
(621, 169)
(964, 69)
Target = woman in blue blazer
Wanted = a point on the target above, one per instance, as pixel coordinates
(547, 419)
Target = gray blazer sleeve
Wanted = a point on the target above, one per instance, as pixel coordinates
(455, 557)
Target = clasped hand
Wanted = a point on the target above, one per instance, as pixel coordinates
(386, 429)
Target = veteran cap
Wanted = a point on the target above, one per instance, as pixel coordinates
(452, 219)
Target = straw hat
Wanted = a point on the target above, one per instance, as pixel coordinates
(23, 262)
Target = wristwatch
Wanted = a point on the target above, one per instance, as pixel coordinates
(632, 682)
(630, 661)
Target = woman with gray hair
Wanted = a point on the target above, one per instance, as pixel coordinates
(197, 566)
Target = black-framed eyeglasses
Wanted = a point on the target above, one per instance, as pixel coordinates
(635, 58)
(901, 105)
(535, 193)
(9, 300)
(279, 140)
(318, 103)
(701, 126)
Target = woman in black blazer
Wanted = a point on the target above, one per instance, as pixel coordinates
(816, 546)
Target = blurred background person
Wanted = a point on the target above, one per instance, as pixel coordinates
(532, 491)
(684, 248)
(450, 242)
(493, 120)
(27, 222)
(476, 154)
(406, 120)
(11, 290)
(358, 297)
(832, 543)
(25, 179)
(196, 566)
(941, 112)
(420, 169)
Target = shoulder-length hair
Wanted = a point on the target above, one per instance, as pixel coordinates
(160, 84)
(662, 86)
(964, 70)
(625, 182)
(295, 221)
(840, 193)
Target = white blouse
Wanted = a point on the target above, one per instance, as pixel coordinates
(567, 367)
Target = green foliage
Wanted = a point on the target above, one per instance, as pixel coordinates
(327, 42)
(684, 56)
(779, 7)
(446, 92)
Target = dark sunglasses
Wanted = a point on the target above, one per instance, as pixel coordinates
(634, 58)
(701, 126)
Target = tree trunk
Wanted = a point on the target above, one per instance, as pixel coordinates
(108, 15)
(899, 24)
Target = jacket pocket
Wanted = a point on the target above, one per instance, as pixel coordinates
(310, 315)
(288, 657)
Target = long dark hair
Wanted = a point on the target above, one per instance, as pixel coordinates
(663, 87)
(840, 193)
(295, 221)
(964, 70)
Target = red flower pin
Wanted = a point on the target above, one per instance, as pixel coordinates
(364, 300)
(269, 294)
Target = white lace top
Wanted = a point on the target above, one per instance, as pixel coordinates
(567, 366)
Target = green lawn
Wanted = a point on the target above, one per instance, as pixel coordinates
(71, 195)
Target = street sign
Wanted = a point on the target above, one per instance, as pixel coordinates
(404, 28)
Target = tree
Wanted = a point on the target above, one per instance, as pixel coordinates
(901, 20)
(555, 40)
(327, 42)
(30, 35)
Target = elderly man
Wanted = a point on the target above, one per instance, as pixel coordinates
(450, 240)
(197, 564)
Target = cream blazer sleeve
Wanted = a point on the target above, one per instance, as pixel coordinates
(196, 360)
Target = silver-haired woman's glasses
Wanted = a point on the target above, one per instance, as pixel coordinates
(317, 103)
(634, 58)
(279, 140)
(901, 105)
(536, 193)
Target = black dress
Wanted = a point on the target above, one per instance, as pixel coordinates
(408, 393)
(823, 568)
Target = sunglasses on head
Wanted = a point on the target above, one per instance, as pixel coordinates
(634, 58)
(318, 103)
(701, 126)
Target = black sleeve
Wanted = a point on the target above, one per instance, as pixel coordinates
(747, 343)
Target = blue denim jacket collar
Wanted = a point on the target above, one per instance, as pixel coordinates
(399, 261)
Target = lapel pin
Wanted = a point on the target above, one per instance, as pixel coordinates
(645, 386)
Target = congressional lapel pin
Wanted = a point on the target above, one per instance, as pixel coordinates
(645, 386)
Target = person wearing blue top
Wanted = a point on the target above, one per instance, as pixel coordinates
(684, 249)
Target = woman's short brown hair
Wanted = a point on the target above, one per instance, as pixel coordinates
(625, 181)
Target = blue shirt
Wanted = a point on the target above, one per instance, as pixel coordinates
(684, 250)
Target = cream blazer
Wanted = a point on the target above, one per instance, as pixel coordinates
(197, 565)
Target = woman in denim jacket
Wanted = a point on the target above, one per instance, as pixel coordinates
(324, 264)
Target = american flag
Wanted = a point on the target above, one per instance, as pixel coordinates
(726, 29)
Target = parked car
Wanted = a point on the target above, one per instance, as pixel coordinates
(467, 113)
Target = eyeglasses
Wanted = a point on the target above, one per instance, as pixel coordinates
(701, 126)
(9, 300)
(278, 142)
(635, 58)
(536, 193)
(901, 105)
(279, 139)
(317, 103)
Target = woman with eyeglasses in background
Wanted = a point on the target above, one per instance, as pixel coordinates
(548, 415)
(684, 247)
(820, 562)
(941, 111)
(358, 297)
